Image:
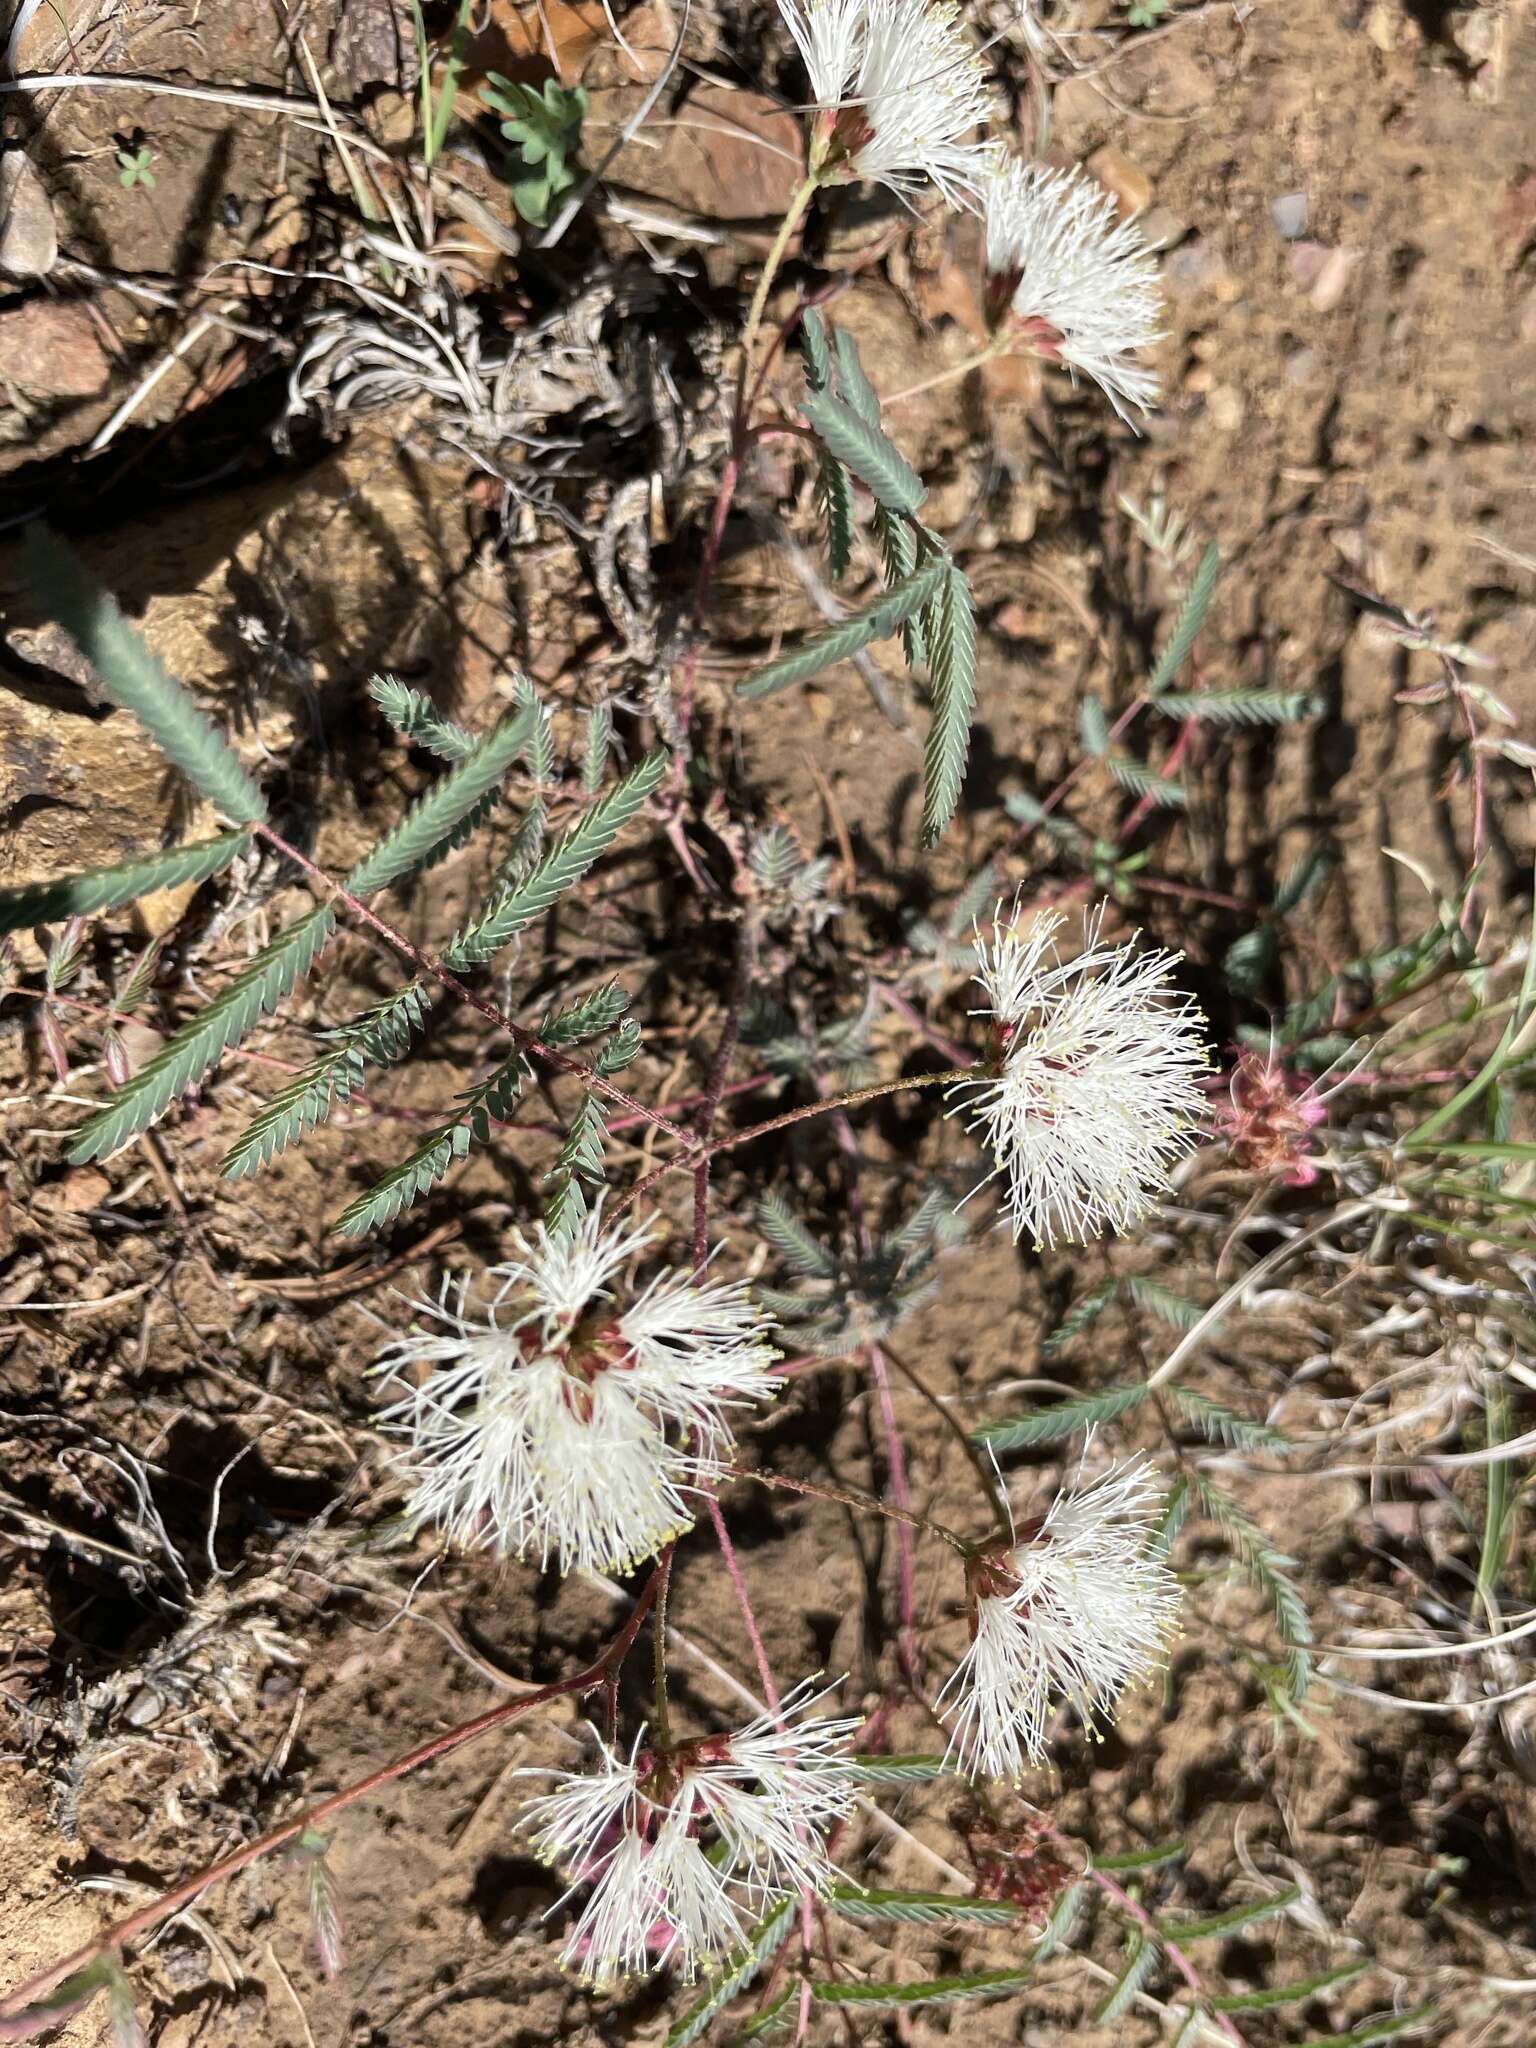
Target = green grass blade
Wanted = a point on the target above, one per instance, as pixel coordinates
(135, 680)
(194, 1049)
(110, 888)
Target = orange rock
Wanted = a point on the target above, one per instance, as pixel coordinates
(51, 348)
(1128, 182)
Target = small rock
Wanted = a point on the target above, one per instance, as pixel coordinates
(1475, 31)
(51, 348)
(1161, 228)
(1128, 182)
(1381, 26)
(29, 241)
(1195, 266)
(1225, 408)
(1321, 272)
(1289, 214)
(1528, 316)
(1299, 365)
(1514, 219)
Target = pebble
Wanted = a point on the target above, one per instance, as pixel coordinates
(50, 347)
(1161, 228)
(1225, 408)
(1321, 272)
(1128, 182)
(1300, 364)
(1195, 266)
(29, 241)
(1289, 214)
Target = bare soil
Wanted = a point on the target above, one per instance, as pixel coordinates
(185, 1664)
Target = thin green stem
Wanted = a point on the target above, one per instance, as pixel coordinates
(770, 270)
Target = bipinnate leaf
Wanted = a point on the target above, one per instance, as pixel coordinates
(102, 889)
(135, 681)
(765, 1939)
(195, 1047)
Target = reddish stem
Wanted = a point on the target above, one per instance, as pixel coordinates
(120, 1932)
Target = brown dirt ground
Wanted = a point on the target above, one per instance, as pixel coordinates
(213, 1331)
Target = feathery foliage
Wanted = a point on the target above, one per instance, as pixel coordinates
(1241, 707)
(1270, 1569)
(765, 1939)
(188, 1056)
(902, 602)
(135, 680)
(101, 889)
(951, 639)
(1186, 630)
(418, 720)
(439, 821)
(862, 447)
(493, 1098)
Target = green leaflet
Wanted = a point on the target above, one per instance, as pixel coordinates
(1183, 1931)
(861, 446)
(378, 1038)
(401, 1186)
(1141, 1959)
(418, 720)
(432, 826)
(766, 1937)
(898, 605)
(1241, 707)
(929, 1991)
(1187, 626)
(562, 867)
(193, 1050)
(895, 1770)
(950, 631)
(1288, 1994)
(134, 679)
(1047, 1425)
(921, 1909)
(1270, 1570)
(1142, 1859)
(110, 888)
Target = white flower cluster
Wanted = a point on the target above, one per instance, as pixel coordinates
(563, 1425)
(684, 1849)
(1077, 284)
(1097, 1093)
(1075, 1612)
(899, 98)
(899, 93)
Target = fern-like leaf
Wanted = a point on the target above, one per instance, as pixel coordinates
(920, 1909)
(765, 1939)
(1219, 1424)
(198, 1044)
(1141, 1958)
(902, 602)
(794, 1243)
(1241, 707)
(403, 1184)
(951, 635)
(1270, 1569)
(110, 888)
(1141, 780)
(378, 1038)
(417, 719)
(135, 680)
(561, 868)
(436, 822)
(862, 447)
(1187, 626)
(834, 494)
(1275, 1995)
(1185, 1931)
(1049, 1425)
(898, 558)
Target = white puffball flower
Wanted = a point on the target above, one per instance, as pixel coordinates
(899, 92)
(1076, 1612)
(563, 1423)
(686, 1847)
(1097, 1093)
(1080, 285)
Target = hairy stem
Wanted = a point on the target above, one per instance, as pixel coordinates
(770, 270)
